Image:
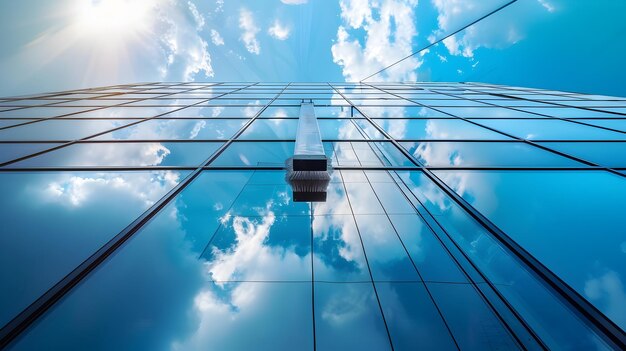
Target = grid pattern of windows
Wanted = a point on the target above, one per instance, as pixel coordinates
(458, 216)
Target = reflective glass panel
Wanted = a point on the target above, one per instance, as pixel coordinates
(124, 154)
(482, 154)
(435, 129)
(607, 154)
(578, 212)
(10, 152)
(551, 130)
(271, 129)
(54, 221)
(185, 129)
(58, 130)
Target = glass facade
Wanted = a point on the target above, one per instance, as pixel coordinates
(458, 216)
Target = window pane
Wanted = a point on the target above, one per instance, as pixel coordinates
(59, 130)
(402, 112)
(412, 318)
(10, 152)
(177, 129)
(607, 154)
(338, 129)
(550, 129)
(124, 154)
(437, 129)
(488, 112)
(271, 129)
(255, 154)
(481, 154)
(577, 212)
(53, 221)
(347, 317)
(41, 112)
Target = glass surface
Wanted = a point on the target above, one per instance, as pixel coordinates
(59, 130)
(339, 129)
(124, 154)
(481, 154)
(570, 112)
(177, 129)
(487, 112)
(334, 111)
(53, 221)
(433, 263)
(434, 129)
(41, 112)
(281, 112)
(387, 258)
(348, 317)
(470, 320)
(365, 154)
(271, 129)
(578, 212)
(10, 152)
(606, 154)
(243, 153)
(13, 122)
(618, 124)
(401, 112)
(412, 317)
(337, 251)
(215, 112)
(136, 112)
(556, 325)
(551, 130)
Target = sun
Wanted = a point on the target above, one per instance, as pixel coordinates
(113, 18)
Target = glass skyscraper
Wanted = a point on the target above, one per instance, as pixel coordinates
(159, 216)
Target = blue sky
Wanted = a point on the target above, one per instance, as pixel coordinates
(571, 45)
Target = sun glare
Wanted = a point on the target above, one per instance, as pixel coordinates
(112, 17)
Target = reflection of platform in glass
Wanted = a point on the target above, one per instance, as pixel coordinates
(308, 182)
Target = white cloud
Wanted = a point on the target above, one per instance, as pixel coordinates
(279, 31)
(250, 30)
(608, 292)
(197, 16)
(216, 38)
(186, 50)
(294, 2)
(219, 6)
(77, 191)
(548, 6)
(500, 30)
(389, 27)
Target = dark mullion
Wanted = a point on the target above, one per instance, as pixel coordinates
(278, 168)
(81, 141)
(312, 216)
